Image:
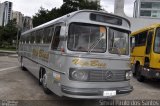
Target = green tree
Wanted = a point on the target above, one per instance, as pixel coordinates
(54, 13)
(85, 4)
(74, 5)
(1, 33)
(40, 17)
(68, 6)
(8, 34)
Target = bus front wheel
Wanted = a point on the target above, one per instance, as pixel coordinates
(139, 76)
(44, 84)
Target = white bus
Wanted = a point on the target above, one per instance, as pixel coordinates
(84, 54)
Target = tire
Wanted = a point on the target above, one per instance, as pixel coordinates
(40, 77)
(22, 65)
(44, 84)
(139, 77)
(134, 74)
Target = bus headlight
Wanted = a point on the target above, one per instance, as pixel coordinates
(129, 75)
(78, 75)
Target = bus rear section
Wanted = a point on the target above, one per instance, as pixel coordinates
(88, 57)
(145, 53)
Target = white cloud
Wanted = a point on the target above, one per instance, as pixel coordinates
(108, 5)
(30, 7)
(128, 8)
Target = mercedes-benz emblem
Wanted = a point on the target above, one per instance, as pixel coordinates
(108, 75)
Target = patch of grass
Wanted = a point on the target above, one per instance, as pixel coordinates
(8, 49)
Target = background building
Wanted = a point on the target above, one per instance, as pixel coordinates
(136, 23)
(18, 16)
(27, 23)
(24, 23)
(5, 12)
(147, 9)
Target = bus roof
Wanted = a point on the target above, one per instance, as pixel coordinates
(68, 16)
(145, 29)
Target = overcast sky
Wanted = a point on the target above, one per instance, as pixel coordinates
(30, 7)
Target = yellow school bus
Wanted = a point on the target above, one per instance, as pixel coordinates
(145, 53)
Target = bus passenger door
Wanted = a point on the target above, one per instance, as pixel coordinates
(148, 48)
(55, 58)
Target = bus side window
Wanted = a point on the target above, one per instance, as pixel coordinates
(23, 40)
(132, 40)
(32, 37)
(149, 42)
(140, 39)
(20, 40)
(51, 34)
(136, 40)
(46, 37)
(27, 39)
(39, 36)
(56, 39)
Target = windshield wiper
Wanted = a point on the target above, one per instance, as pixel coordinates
(95, 43)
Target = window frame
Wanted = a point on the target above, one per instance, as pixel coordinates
(144, 4)
(53, 30)
(119, 20)
(155, 39)
(36, 34)
(144, 15)
(137, 41)
(32, 35)
(149, 47)
(86, 25)
(121, 30)
(50, 34)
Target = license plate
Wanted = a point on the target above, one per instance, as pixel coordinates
(109, 93)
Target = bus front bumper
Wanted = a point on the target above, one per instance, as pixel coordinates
(93, 93)
(151, 73)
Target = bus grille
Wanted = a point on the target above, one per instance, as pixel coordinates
(109, 76)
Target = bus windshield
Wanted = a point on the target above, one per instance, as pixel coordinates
(118, 41)
(87, 38)
(157, 41)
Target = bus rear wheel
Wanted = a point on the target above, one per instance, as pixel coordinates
(44, 84)
(139, 76)
(22, 65)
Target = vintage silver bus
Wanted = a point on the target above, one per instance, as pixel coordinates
(84, 54)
